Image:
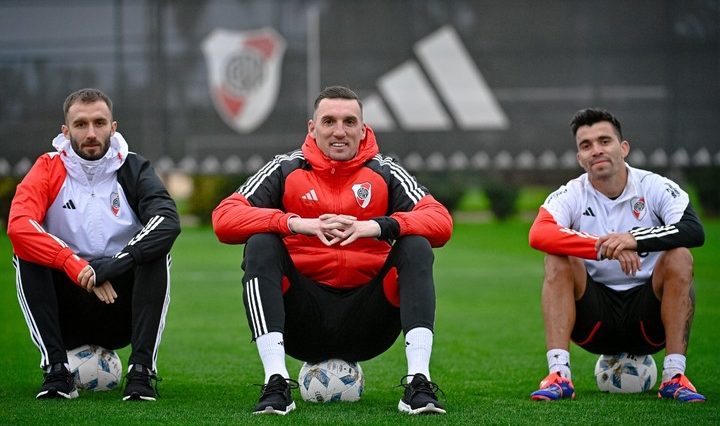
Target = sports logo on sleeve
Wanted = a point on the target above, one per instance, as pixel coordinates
(638, 207)
(115, 203)
(672, 190)
(363, 193)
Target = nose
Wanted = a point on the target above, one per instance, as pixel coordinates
(91, 132)
(338, 129)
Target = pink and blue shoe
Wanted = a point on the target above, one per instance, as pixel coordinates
(680, 389)
(554, 387)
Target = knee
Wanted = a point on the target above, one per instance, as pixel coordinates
(262, 244)
(676, 266)
(415, 249)
(558, 270)
(262, 249)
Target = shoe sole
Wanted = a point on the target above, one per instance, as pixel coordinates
(271, 410)
(690, 401)
(137, 397)
(428, 409)
(54, 394)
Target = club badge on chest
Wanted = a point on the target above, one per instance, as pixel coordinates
(115, 203)
(363, 193)
(638, 207)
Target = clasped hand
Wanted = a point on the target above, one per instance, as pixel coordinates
(335, 228)
(621, 247)
(105, 291)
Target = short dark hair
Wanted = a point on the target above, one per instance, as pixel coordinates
(86, 96)
(337, 92)
(590, 116)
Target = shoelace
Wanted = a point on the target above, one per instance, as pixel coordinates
(423, 386)
(59, 375)
(144, 376)
(277, 386)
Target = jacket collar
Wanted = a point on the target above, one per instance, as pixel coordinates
(103, 167)
(323, 164)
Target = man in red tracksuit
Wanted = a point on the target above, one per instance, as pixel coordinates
(338, 254)
(91, 226)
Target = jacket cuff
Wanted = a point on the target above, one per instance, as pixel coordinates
(389, 227)
(73, 265)
(282, 224)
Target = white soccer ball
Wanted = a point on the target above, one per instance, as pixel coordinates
(95, 368)
(331, 380)
(625, 373)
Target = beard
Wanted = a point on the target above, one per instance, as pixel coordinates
(87, 156)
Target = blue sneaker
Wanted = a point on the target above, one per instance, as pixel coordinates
(554, 387)
(680, 388)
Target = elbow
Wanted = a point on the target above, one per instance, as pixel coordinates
(13, 233)
(535, 240)
(221, 230)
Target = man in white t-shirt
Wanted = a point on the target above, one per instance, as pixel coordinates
(618, 272)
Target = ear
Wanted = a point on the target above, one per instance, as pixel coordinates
(625, 148)
(311, 129)
(113, 128)
(65, 131)
(364, 130)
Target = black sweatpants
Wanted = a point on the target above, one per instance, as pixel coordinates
(321, 322)
(62, 316)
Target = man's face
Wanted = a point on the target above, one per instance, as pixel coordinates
(338, 128)
(600, 151)
(89, 127)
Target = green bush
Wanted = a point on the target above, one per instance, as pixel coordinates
(448, 188)
(208, 191)
(7, 192)
(706, 180)
(503, 198)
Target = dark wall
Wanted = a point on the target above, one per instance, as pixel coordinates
(654, 63)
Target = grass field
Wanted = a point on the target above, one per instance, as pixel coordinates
(489, 348)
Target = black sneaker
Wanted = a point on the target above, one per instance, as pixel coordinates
(58, 383)
(275, 397)
(140, 386)
(419, 396)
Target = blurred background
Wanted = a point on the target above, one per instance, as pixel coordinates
(473, 96)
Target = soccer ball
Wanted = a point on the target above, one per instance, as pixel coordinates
(331, 380)
(625, 373)
(95, 368)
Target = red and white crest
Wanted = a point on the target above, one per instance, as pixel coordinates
(115, 203)
(638, 207)
(244, 71)
(363, 193)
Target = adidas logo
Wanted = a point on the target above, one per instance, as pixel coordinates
(588, 212)
(69, 205)
(310, 195)
(458, 84)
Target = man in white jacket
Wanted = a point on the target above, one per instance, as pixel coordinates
(91, 226)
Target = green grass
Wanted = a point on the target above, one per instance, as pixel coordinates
(489, 348)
